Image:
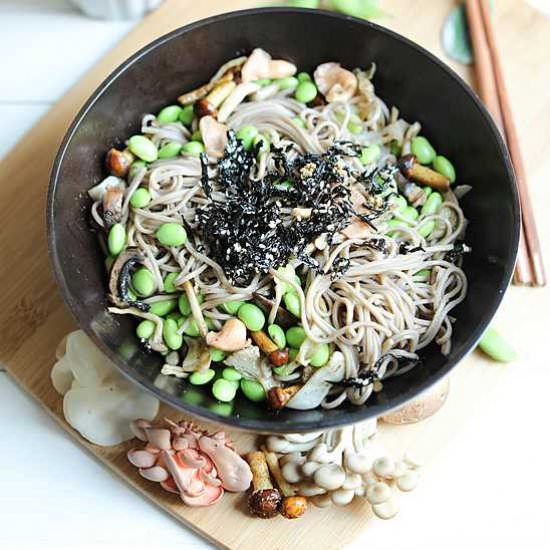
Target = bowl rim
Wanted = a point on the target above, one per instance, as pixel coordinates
(362, 413)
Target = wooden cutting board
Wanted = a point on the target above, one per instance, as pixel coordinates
(33, 318)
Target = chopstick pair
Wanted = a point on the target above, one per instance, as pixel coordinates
(492, 90)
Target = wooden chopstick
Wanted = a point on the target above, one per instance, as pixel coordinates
(529, 266)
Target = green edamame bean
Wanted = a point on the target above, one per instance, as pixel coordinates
(231, 374)
(211, 325)
(145, 329)
(400, 201)
(292, 304)
(410, 214)
(285, 184)
(134, 167)
(422, 149)
(171, 234)
(427, 191)
(116, 240)
(192, 396)
(109, 262)
(175, 316)
(295, 336)
(320, 356)
(395, 147)
(221, 409)
(185, 307)
(131, 295)
(169, 114)
(495, 346)
(252, 316)
(163, 307)
(140, 198)
(432, 204)
(169, 282)
(143, 148)
(262, 143)
(232, 307)
(305, 92)
(292, 353)
(423, 273)
(143, 282)
(263, 82)
(425, 230)
(277, 334)
(287, 82)
(283, 370)
(299, 122)
(194, 148)
(224, 390)
(311, 4)
(217, 355)
(444, 166)
(172, 339)
(202, 378)
(303, 77)
(397, 224)
(187, 114)
(196, 136)
(253, 390)
(247, 134)
(355, 125)
(171, 149)
(192, 329)
(370, 154)
(356, 8)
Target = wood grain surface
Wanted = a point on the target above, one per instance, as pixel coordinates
(33, 318)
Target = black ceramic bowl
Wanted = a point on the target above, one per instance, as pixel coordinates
(409, 77)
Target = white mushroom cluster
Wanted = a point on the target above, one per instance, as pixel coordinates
(97, 401)
(336, 466)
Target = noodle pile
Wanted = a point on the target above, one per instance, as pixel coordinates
(398, 289)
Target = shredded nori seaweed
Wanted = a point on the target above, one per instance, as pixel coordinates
(252, 231)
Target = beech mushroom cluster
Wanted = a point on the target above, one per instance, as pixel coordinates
(98, 402)
(189, 461)
(336, 466)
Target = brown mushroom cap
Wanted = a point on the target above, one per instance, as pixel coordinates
(294, 507)
(264, 503)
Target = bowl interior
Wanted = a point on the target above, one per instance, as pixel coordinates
(407, 77)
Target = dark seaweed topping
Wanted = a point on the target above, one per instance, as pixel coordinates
(254, 230)
(406, 248)
(455, 255)
(367, 375)
(123, 284)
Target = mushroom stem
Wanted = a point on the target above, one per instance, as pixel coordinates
(264, 342)
(278, 397)
(220, 93)
(195, 308)
(264, 500)
(414, 171)
(292, 506)
(283, 318)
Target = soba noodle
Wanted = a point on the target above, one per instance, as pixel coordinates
(400, 284)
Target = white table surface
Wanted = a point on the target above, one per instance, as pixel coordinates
(489, 488)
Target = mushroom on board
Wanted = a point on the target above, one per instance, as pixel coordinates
(264, 500)
(98, 402)
(293, 505)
